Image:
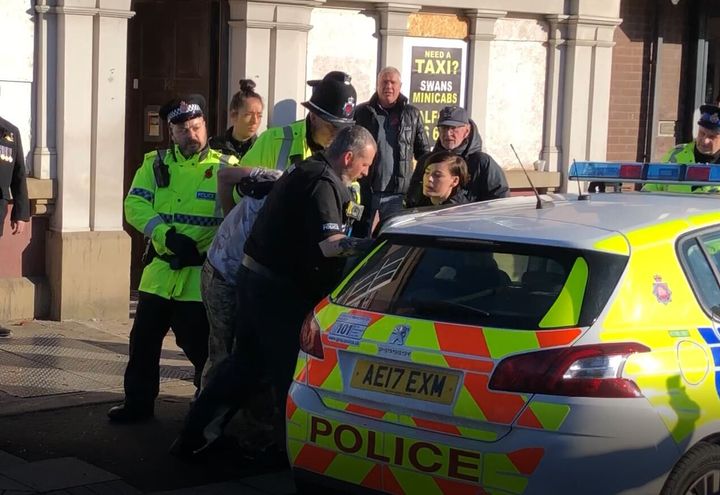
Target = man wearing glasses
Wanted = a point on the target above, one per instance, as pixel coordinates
(459, 134)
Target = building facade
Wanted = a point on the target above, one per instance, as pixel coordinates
(542, 75)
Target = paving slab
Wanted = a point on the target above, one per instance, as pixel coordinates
(280, 483)
(57, 474)
(7, 460)
(10, 485)
(107, 488)
(234, 487)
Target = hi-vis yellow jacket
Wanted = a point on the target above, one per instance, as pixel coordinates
(278, 146)
(189, 203)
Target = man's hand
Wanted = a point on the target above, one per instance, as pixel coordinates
(227, 178)
(17, 226)
(180, 244)
(340, 245)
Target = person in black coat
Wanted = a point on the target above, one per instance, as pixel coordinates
(444, 180)
(459, 135)
(399, 131)
(12, 178)
(246, 109)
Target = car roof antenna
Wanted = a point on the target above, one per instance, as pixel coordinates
(541, 203)
(581, 196)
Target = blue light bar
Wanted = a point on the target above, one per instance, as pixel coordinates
(665, 172)
(595, 169)
(662, 173)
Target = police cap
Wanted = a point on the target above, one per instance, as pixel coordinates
(182, 109)
(333, 98)
(710, 117)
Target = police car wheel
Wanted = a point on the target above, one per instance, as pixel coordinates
(696, 473)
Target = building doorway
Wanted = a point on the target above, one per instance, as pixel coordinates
(174, 47)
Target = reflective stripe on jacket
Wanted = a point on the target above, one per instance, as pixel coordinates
(271, 148)
(190, 204)
(267, 149)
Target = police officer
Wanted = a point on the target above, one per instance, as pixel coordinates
(173, 201)
(704, 149)
(12, 180)
(331, 106)
(293, 257)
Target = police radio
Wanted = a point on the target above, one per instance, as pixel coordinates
(353, 212)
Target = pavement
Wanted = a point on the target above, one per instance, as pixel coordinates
(57, 380)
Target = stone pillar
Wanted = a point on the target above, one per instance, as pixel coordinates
(551, 151)
(268, 43)
(481, 34)
(586, 85)
(392, 29)
(108, 120)
(88, 253)
(44, 153)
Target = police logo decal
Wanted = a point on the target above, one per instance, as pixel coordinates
(661, 291)
(349, 107)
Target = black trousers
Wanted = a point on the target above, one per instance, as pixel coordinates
(267, 335)
(153, 318)
(3, 212)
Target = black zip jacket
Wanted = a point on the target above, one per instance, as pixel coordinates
(228, 145)
(12, 172)
(412, 143)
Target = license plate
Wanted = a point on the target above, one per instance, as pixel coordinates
(427, 384)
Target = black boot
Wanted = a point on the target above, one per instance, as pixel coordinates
(129, 413)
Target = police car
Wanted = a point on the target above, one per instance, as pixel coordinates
(502, 348)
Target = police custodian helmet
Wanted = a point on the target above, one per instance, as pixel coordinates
(333, 98)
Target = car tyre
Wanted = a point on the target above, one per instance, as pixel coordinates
(696, 473)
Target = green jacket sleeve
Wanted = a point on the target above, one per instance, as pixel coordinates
(139, 209)
(264, 153)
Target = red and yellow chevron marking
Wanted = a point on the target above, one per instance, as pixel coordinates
(544, 415)
(473, 350)
(399, 465)
(414, 421)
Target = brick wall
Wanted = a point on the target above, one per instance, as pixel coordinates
(630, 91)
(676, 66)
(630, 81)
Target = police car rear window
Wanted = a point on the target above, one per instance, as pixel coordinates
(505, 285)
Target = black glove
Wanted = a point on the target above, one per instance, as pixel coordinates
(184, 248)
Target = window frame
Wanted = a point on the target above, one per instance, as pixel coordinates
(685, 265)
(595, 298)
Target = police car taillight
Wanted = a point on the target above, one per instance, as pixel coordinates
(582, 371)
(310, 339)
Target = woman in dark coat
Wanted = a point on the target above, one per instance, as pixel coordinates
(444, 180)
(246, 109)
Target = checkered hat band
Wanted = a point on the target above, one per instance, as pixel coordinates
(191, 108)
